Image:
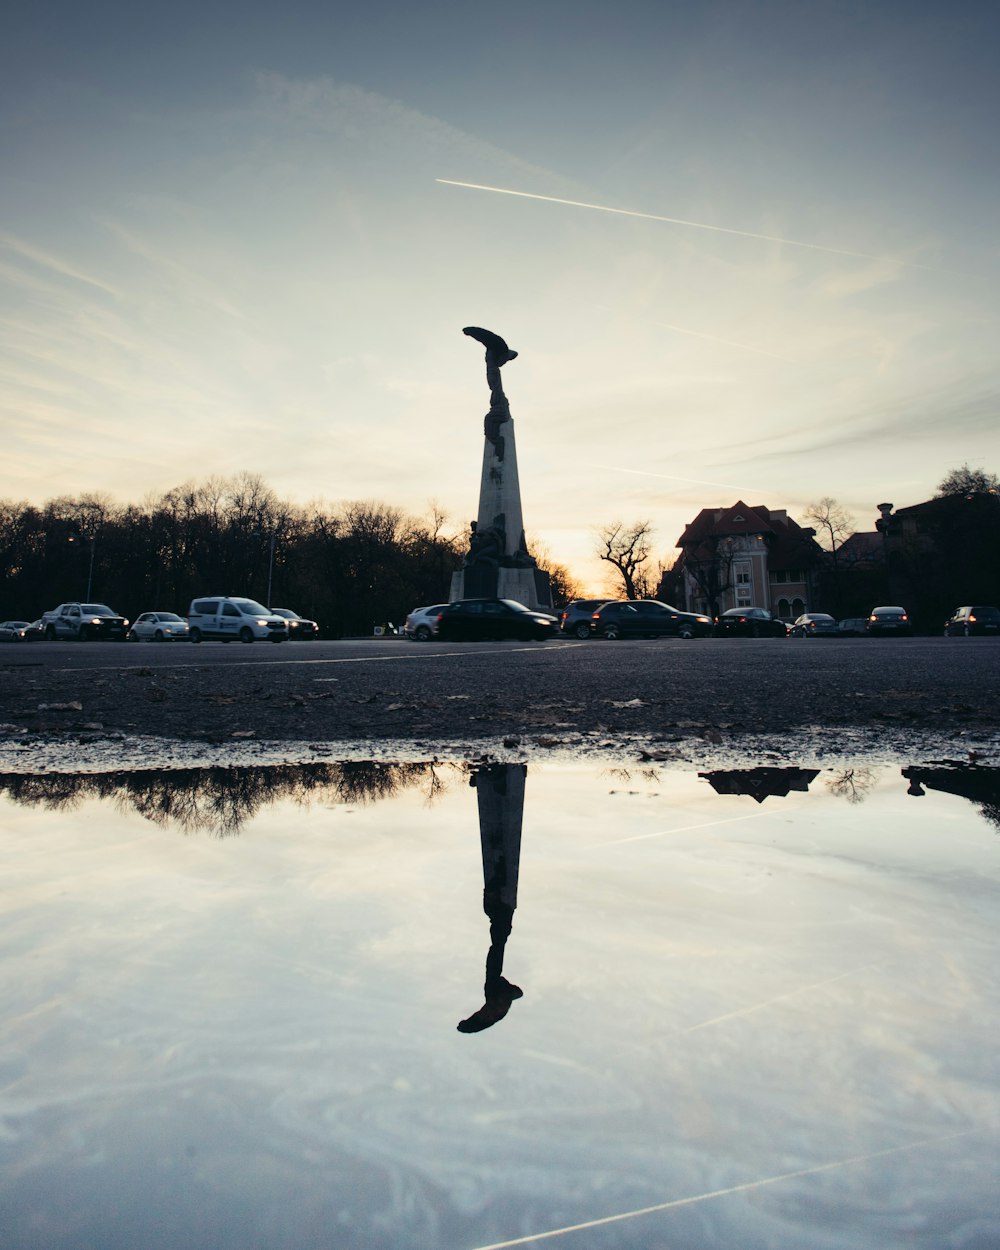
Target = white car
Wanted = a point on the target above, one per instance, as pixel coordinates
(226, 618)
(14, 631)
(159, 627)
(421, 624)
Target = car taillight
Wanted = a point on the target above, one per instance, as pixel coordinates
(903, 617)
(972, 618)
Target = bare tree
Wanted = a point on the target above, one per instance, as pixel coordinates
(626, 548)
(710, 565)
(833, 523)
(851, 784)
(834, 526)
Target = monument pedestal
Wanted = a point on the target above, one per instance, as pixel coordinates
(529, 586)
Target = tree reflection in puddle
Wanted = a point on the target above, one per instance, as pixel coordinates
(759, 1009)
(219, 801)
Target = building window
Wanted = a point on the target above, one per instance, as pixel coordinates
(783, 609)
(742, 571)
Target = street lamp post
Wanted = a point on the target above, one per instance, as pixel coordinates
(270, 567)
(90, 570)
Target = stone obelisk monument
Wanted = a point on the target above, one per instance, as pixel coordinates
(497, 563)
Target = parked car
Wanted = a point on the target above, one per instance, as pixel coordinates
(422, 622)
(299, 627)
(226, 618)
(82, 621)
(472, 619)
(814, 625)
(750, 623)
(889, 620)
(14, 631)
(852, 626)
(966, 622)
(575, 617)
(646, 618)
(159, 627)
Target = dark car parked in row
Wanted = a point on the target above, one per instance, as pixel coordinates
(750, 623)
(972, 621)
(815, 625)
(889, 620)
(299, 627)
(575, 616)
(647, 618)
(470, 620)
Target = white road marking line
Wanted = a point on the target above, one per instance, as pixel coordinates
(361, 659)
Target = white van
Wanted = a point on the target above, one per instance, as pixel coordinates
(228, 618)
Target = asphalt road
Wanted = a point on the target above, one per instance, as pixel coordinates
(479, 694)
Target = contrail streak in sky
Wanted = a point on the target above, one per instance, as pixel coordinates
(680, 221)
(669, 477)
(746, 1187)
(714, 338)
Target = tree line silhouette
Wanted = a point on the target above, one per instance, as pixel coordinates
(350, 566)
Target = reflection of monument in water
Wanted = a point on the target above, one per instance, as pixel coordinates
(497, 564)
(762, 782)
(500, 794)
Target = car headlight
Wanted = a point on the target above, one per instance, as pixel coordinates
(262, 623)
(704, 620)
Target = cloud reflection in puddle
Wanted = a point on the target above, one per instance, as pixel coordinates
(247, 1035)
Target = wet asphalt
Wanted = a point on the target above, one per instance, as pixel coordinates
(474, 696)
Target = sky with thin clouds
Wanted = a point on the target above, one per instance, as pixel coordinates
(235, 237)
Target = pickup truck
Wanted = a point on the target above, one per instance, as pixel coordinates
(83, 620)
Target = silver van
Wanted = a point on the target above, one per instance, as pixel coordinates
(229, 618)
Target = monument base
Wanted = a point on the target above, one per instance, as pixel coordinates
(529, 586)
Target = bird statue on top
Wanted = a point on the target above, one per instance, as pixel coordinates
(497, 355)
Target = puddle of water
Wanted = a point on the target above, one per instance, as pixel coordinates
(758, 1008)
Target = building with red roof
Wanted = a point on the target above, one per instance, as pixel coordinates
(744, 556)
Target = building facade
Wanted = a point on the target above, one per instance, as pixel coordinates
(745, 556)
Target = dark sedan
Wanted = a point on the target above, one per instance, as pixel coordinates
(815, 625)
(647, 618)
(299, 627)
(750, 623)
(973, 621)
(470, 620)
(889, 620)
